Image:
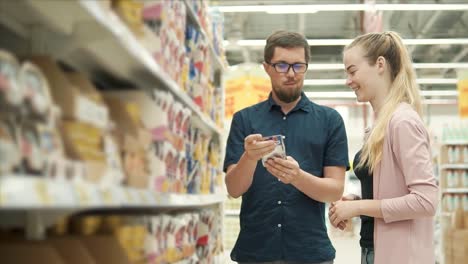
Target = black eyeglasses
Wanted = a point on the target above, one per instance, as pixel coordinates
(282, 67)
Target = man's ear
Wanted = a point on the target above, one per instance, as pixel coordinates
(267, 68)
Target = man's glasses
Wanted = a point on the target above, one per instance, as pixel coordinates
(282, 67)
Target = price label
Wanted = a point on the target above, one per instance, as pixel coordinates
(143, 197)
(156, 197)
(42, 193)
(107, 196)
(82, 195)
(129, 196)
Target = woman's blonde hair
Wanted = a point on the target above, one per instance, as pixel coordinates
(403, 87)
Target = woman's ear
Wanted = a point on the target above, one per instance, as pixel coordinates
(381, 64)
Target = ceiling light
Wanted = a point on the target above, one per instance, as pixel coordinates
(340, 66)
(315, 82)
(343, 94)
(285, 9)
(344, 42)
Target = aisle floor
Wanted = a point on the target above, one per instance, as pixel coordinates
(347, 249)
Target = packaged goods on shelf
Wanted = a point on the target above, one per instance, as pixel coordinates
(72, 250)
(200, 64)
(26, 252)
(73, 103)
(218, 31)
(31, 151)
(10, 151)
(455, 132)
(130, 11)
(194, 237)
(10, 89)
(167, 20)
(36, 88)
(132, 138)
(105, 249)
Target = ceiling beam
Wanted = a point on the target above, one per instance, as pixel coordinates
(457, 58)
(295, 9)
(425, 29)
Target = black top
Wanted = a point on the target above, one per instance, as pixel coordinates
(367, 223)
(277, 221)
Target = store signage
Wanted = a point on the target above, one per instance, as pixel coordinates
(463, 93)
(246, 85)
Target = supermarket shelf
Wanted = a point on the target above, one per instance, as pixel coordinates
(455, 142)
(30, 192)
(94, 41)
(232, 212)
(197, 23)
(455, 190)
(454, 166)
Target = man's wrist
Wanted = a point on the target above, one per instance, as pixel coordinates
(300, 177)
(248, 158)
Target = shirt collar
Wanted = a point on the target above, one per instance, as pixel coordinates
(303, 104)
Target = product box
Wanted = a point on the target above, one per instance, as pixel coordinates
(26, 252)
(105, 249)
(82, 141)
(71, 250)
(74, 105)
(10, 90)
(87, 89)
(460, 246)
(35, 87)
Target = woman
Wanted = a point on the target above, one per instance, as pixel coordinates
(395, 154)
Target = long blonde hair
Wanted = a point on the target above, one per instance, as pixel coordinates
(403, 88)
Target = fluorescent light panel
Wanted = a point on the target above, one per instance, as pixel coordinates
(344, 42)
(287, 9)
(340, 66)
(351, 95)
(318, 82)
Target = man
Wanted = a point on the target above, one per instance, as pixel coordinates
(282, 216)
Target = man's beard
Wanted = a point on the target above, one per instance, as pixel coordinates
(286, 95)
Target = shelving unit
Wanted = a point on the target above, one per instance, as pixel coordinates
(193, 17)
(92, 39)
(26, 192)
(454, 197)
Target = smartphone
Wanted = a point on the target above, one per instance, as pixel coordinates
(279, 151)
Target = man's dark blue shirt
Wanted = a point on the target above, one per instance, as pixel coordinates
(277, 221)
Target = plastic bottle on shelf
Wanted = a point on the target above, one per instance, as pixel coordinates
(457, 176)
(449, 179)
(456, 154)
(449, 202)
(465, 154)
(465, 179)
(465, 202)
(450, 154)
(456, 202)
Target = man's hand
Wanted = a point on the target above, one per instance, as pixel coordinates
(256, 148)
(286, 170)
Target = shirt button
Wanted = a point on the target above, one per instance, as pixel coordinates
(279, 180)
(284, 118)
(279, 225)
(279, 202)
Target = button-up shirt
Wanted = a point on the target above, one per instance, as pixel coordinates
(277, 221)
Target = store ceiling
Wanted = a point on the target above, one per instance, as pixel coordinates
(346, 25)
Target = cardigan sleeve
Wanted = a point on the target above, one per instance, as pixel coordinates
(411, 149)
